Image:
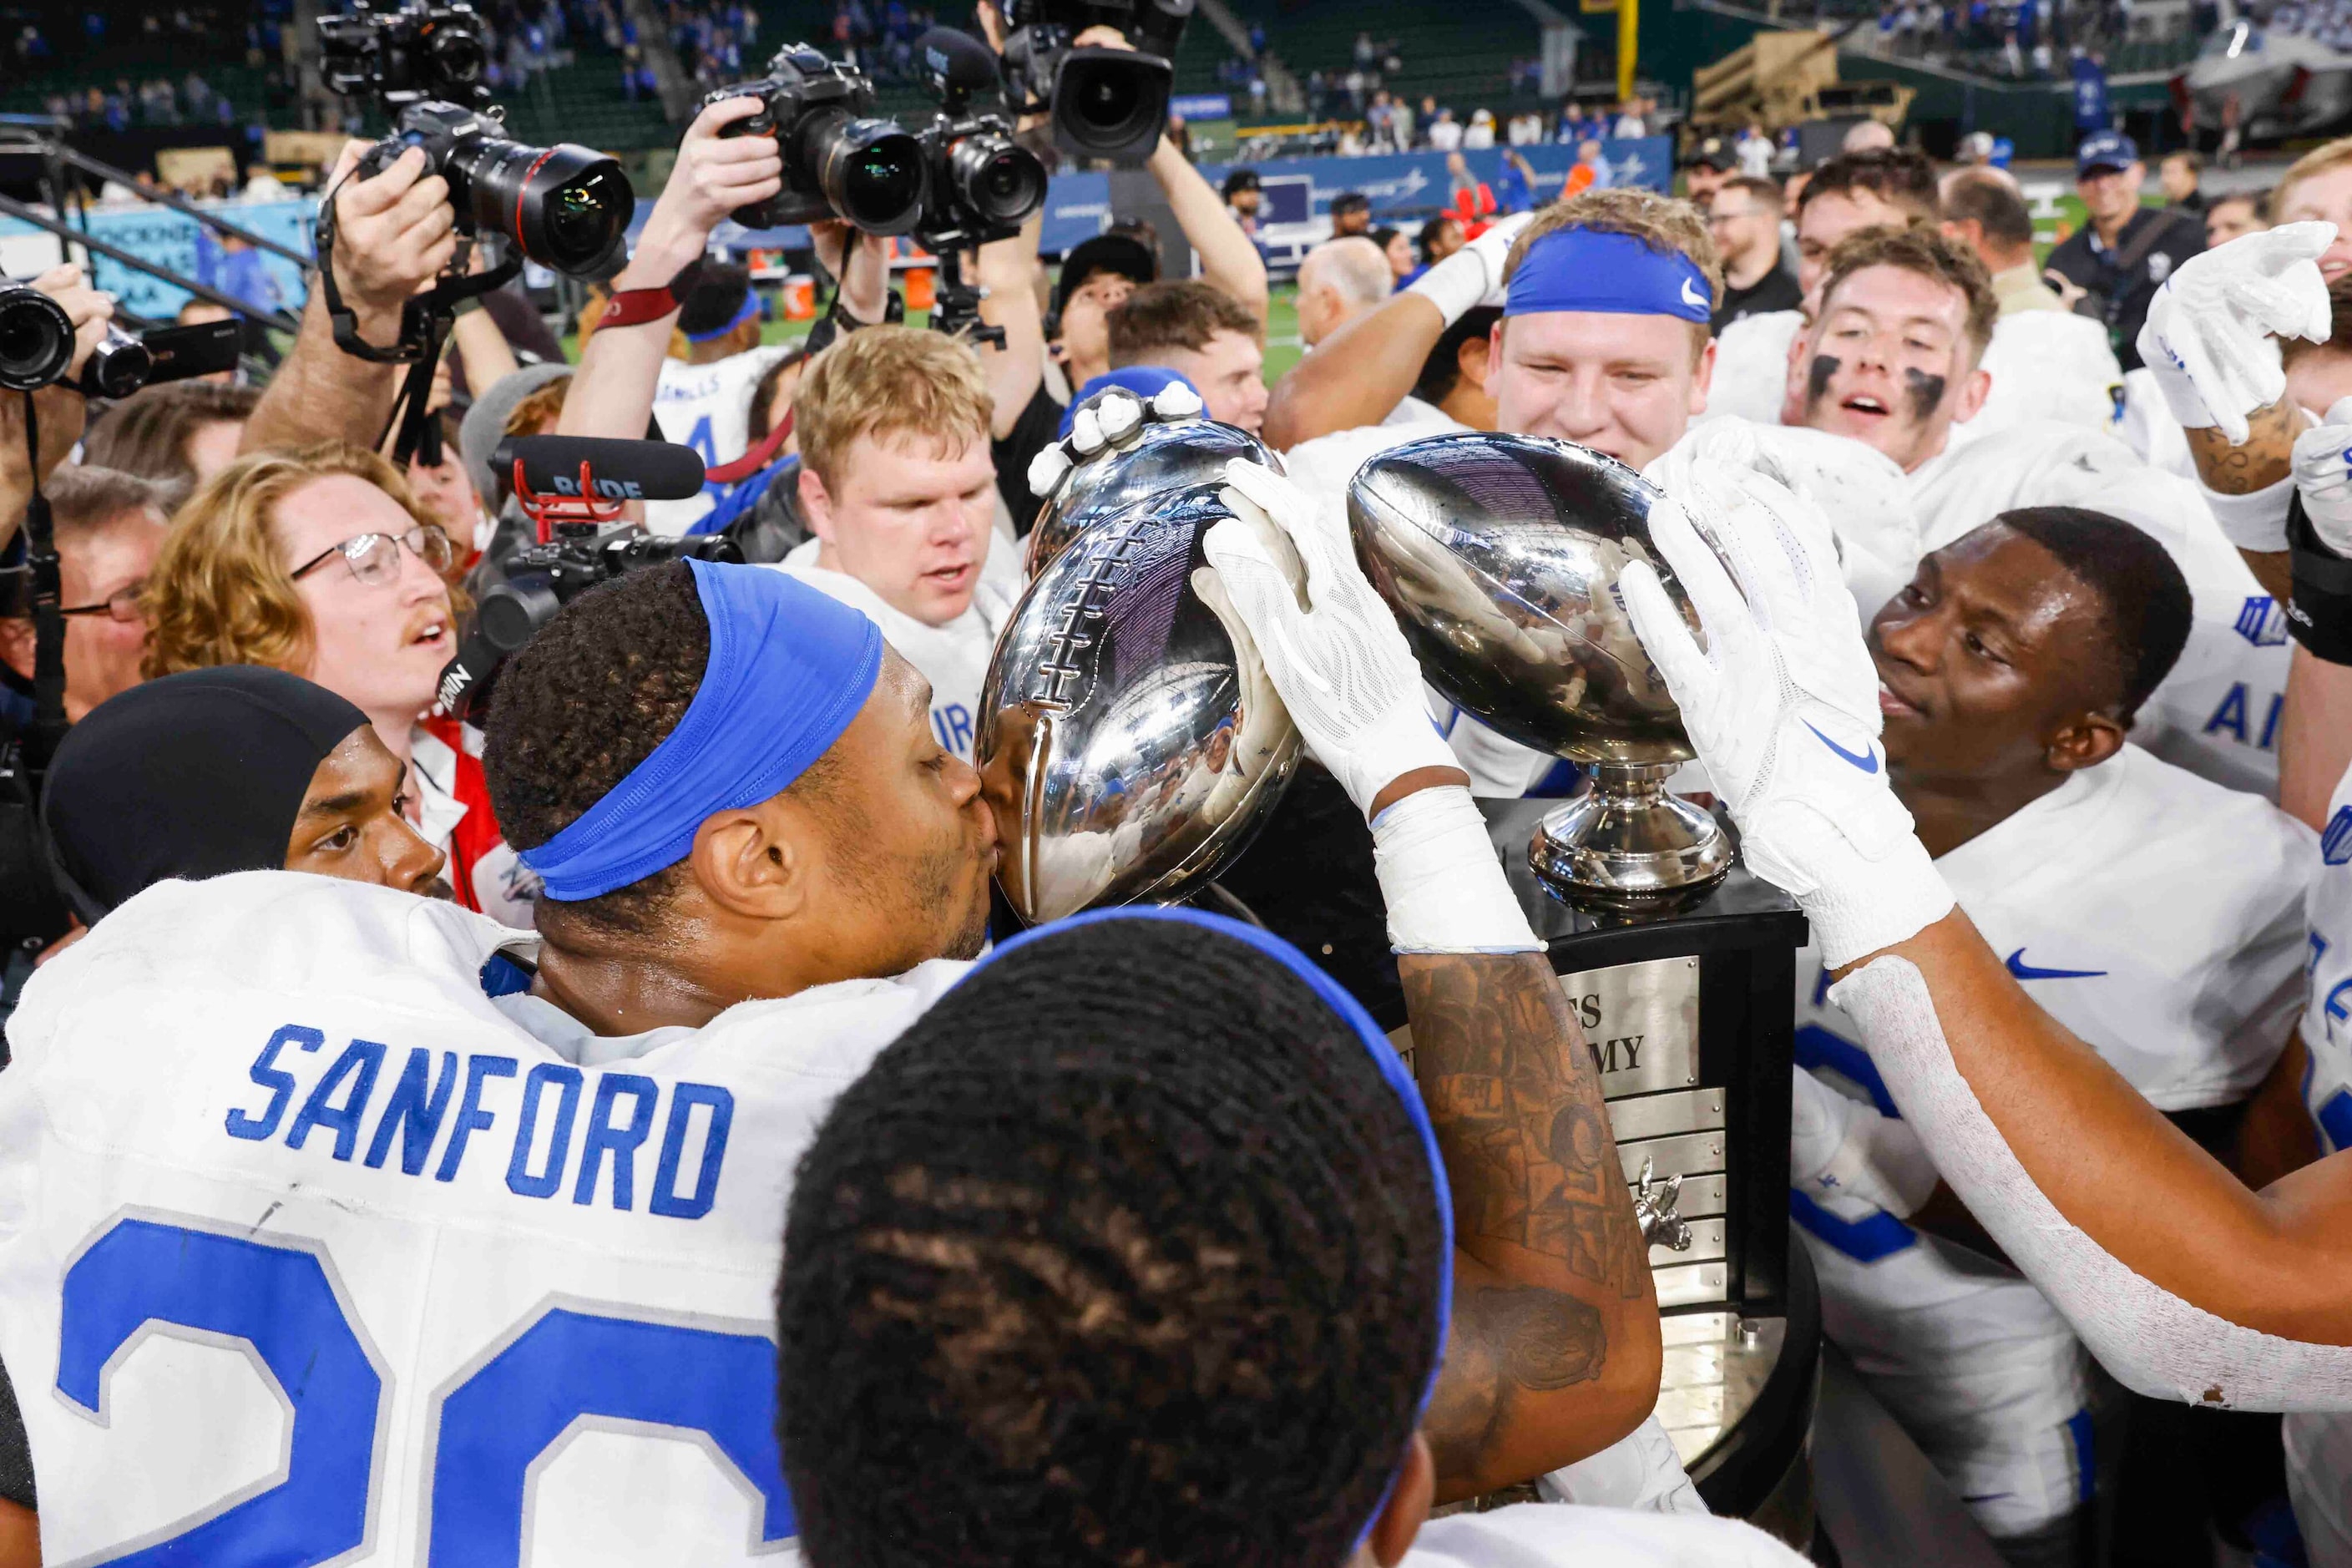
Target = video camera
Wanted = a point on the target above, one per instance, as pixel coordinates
(1105, 103)
(37, 347)
(415, 52)
(572, 488)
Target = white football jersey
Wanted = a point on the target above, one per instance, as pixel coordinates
(310, 1253)
(1558, 1535)
(2158, 916)
(2047, 367)
(2326, 1024)
(2217, 712)
(953, 657)
(709, 408)
(1751, 367)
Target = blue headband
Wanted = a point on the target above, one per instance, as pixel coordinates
(1609, 274)
(750, 312)
(789, 668)
(1384, 1056)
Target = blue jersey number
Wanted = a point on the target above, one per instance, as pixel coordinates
(569, 1368)
(704, 442)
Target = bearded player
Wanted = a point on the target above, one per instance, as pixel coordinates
(496, 1218)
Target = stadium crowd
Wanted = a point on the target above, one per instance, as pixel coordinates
(644, 1057)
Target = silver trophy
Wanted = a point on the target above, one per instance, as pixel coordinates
(1130, 740)
(1500, 556)
(1141, 454)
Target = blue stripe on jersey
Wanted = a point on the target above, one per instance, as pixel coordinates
(503, 976)
(2335, 1119)
(1559, 781)
(1865, 1240)
(1817, 1048)
(2086, 1482)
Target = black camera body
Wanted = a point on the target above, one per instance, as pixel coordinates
(983, 185)
(839, 160)
(416, 52)
(1104, 103)
(566, 206)
(36, 346)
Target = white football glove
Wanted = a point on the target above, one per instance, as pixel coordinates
(1842, 1148)
(2323, 475)
(1472, 276)
(1354, 690)
(1781, 705)
(2209, 331)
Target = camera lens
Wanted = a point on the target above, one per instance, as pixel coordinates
(567, 206)
(872, 173)
(1111, 103)
(119, 367)
(37, 337)
(457, 56)
(1002, 183)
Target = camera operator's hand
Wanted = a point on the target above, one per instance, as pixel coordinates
(714, 175)
(60, 409)
(394, 232)
(90, 311)
(864, 273)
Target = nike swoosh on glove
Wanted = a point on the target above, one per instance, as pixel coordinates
(1781, 704)
(2323, 477)
(2209, 331)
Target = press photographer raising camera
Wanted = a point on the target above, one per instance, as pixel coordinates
(323, 564)
(108, 527)
(59, 409)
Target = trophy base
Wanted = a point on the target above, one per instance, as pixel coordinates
(1626, 851)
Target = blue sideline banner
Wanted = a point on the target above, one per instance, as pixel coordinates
(172, 240)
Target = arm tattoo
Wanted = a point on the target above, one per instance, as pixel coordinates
(2267, 457)
(1516, 1102)
(1504, 1340)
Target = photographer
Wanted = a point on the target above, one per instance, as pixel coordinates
(59, 409)
(108, 527)
(323, 564)
(395, 233)
(896, 484)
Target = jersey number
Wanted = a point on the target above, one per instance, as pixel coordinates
(704, 442)
(565, 1369)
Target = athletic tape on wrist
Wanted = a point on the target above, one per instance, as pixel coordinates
(2319, 612)
(1439, 876)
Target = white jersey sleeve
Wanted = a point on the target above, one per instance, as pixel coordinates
(1750, 380)
(1560, 1535)
(308, 1253)
(953, 657)
(2326, 1022)
(2048, 367)
(709, 408)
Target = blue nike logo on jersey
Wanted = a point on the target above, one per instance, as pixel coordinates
(2024, 971)
(1865, 759)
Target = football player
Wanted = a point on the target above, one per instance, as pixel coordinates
(338, 1224)
(2011, 669)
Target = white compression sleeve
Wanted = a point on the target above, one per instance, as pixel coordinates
(2156, 1343)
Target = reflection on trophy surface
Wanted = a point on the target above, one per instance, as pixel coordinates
(1500, 556)
(1129, 739)
(1140, 454)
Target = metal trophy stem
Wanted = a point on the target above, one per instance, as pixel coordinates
(1626, 850)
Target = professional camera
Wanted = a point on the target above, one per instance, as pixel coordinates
(36, 345)
(1105, 103)
(406, 55)
(566, 206)
(839, 160)
(983, 185)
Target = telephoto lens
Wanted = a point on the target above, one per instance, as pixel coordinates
(37, 337)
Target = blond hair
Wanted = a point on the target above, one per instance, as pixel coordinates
(2323, 159)
(1668, 224)
(889, 381)
(220, 592)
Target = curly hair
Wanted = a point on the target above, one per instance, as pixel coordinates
(1124, 1256)
(584, 703)
(219, 592)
